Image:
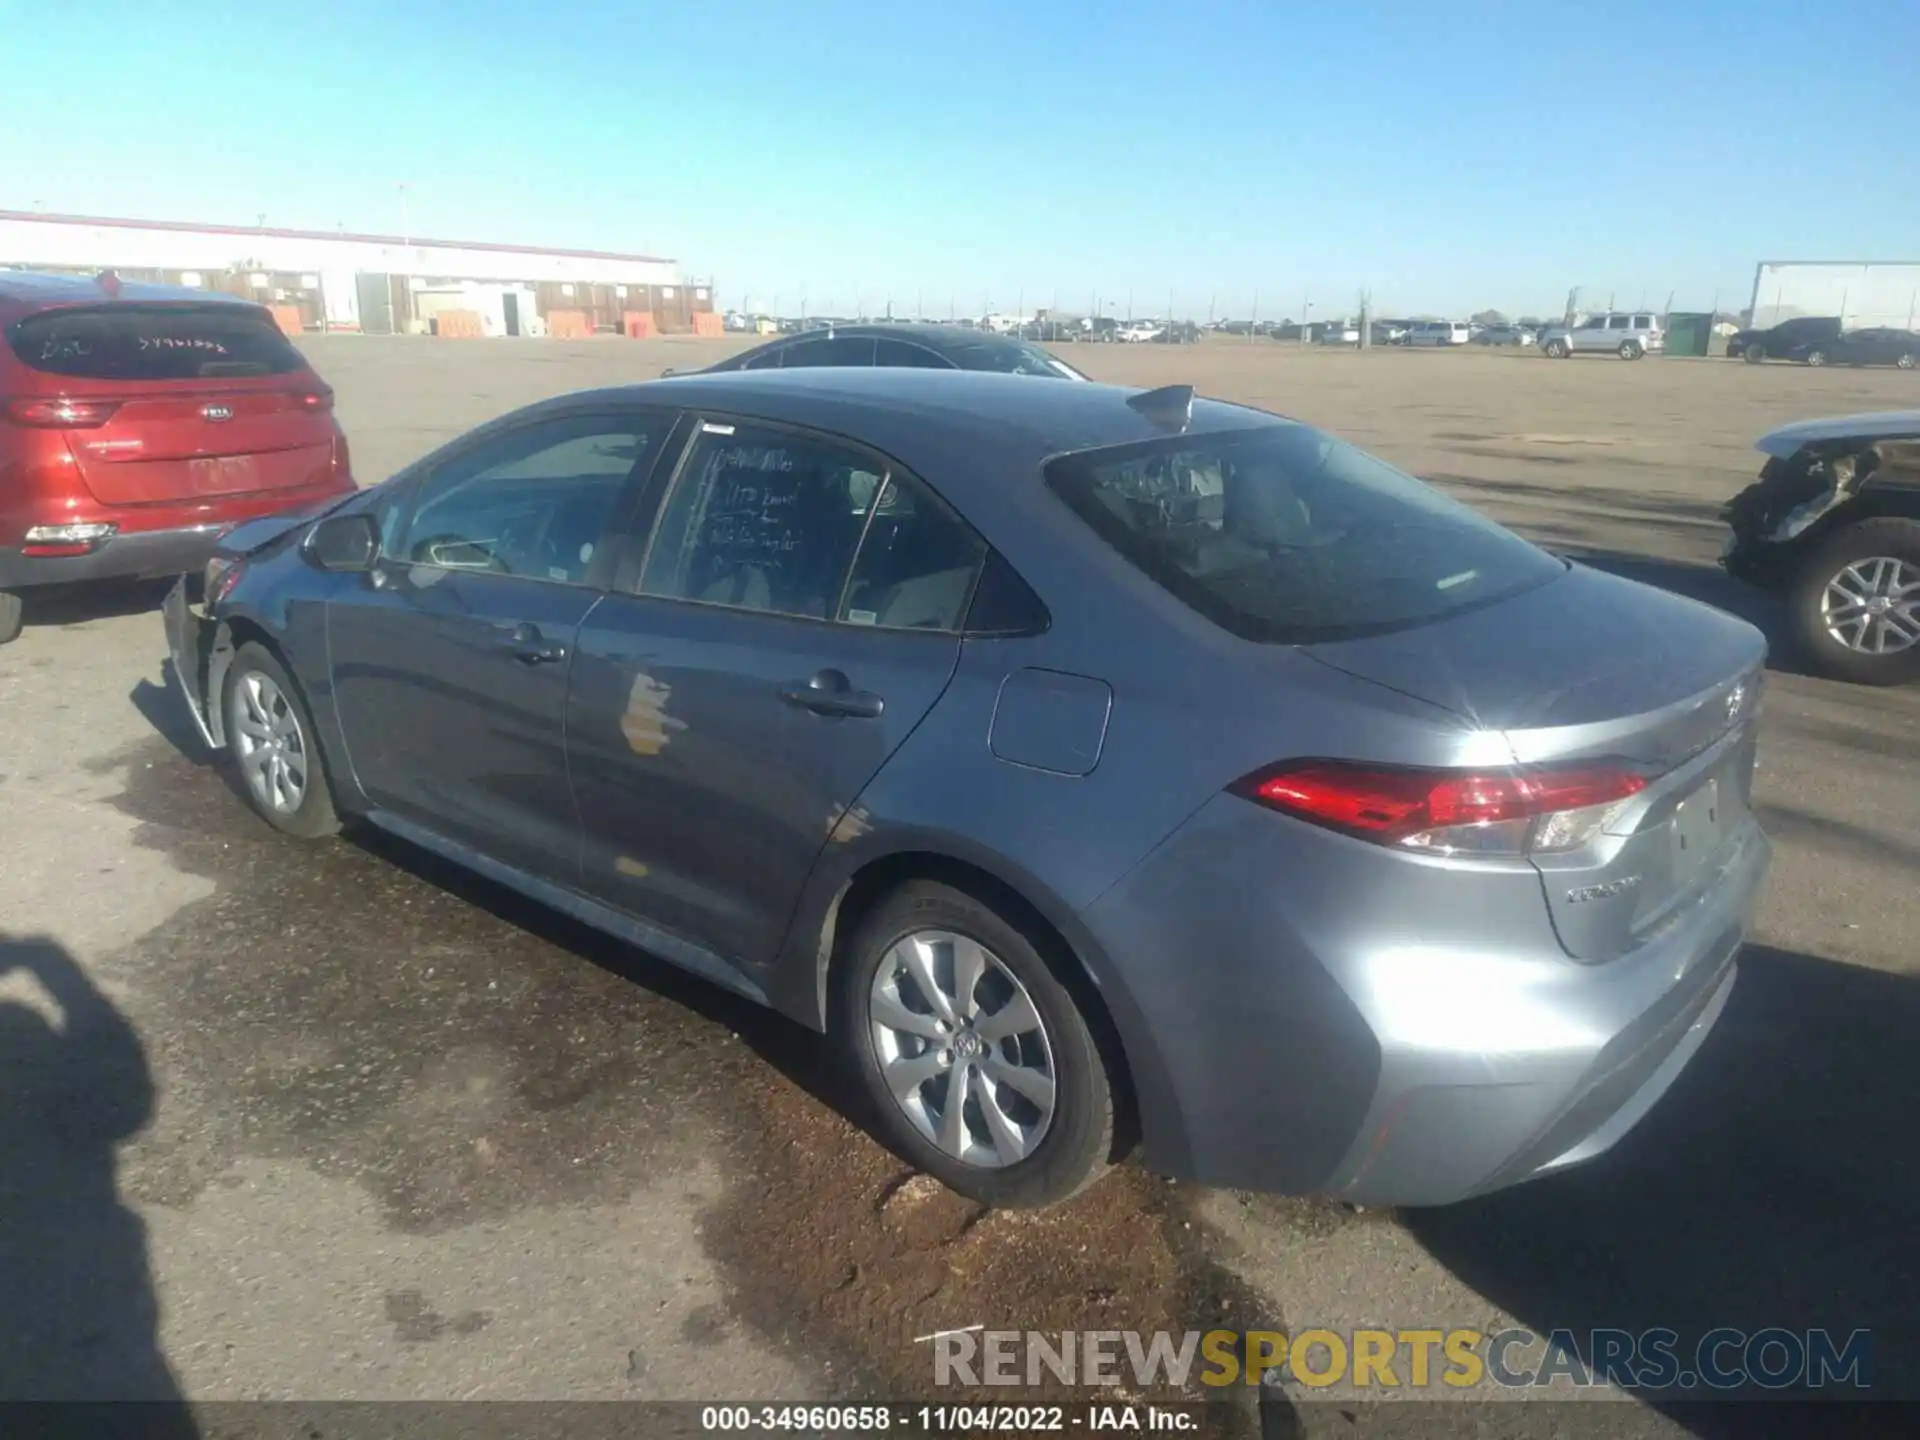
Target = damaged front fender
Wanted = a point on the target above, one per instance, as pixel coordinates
(1819, 472)
(201, 649)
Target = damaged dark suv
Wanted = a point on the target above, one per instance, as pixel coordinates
(1834, 523)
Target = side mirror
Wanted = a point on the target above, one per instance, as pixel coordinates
(344, 543)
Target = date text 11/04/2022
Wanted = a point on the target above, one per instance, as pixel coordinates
(948, 1419)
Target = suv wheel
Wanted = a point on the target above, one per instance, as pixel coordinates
(1856, 603)
(1907, 361)
(978, 1063)
(1631, 350)
(1816, 357)
(1754, 354)
(12, 612)
(271, 735)
(1556, 349)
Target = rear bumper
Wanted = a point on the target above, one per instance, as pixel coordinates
(143, 555)
(1381, 1033)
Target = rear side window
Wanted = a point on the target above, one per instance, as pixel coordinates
(154, 342)
(1286, 535)
(917, 563)
(762, 520)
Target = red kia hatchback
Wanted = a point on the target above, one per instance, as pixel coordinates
(138, 423)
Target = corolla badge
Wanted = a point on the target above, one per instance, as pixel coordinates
(216, 412)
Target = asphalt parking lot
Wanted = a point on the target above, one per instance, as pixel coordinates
(374, 1130)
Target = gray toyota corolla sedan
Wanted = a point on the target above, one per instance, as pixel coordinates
(1092, 765)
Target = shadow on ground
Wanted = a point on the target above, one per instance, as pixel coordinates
(74, 606)
(1777, 1185)
(78, 1317)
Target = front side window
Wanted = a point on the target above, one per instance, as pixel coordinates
(154, 342)
(762, 520)
(1596, 322)
(1619, 322)
(532, 503)
(1286, 535)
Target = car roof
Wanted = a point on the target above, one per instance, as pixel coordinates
(929, 333)
(23, 291)
(917, 415)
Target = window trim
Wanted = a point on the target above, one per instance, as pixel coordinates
(613, 532)
(633, 565)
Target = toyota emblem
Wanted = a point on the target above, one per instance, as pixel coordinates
(216, 412)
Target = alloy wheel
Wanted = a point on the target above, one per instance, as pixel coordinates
(268, 742)
(962, 1048)
(1873, 605)
(1906, 361)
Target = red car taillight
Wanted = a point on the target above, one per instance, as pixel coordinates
(1511, 812)
(317, 399)
(61, 414)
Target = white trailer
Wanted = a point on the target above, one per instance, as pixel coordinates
(1864, 294)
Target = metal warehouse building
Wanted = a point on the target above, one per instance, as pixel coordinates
(1864, 294)
(379, 284)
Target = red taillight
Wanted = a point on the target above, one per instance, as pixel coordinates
(61, 414)
(1400, 806)
(315, 400)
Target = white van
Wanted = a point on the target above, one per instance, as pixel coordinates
(1438, 332)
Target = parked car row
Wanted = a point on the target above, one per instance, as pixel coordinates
(1821, 340)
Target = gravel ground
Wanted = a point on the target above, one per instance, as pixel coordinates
(358, 1127)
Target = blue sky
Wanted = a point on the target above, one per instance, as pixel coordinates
(1446, 156)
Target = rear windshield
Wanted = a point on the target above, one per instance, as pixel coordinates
(1010, 357)
(154, 342)
(1286, 535)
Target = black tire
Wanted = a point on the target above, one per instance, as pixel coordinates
(313, 817)
(1630, 350)
(1077, 1145)
(1908, 360)
(12, 616)
(1556, 349)
(1754, 354)
(1890, 537)
(1816, 358)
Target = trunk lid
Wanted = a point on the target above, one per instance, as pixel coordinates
(1594, 668)
(192, 441)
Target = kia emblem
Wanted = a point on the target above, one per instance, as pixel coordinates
(216, 412)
